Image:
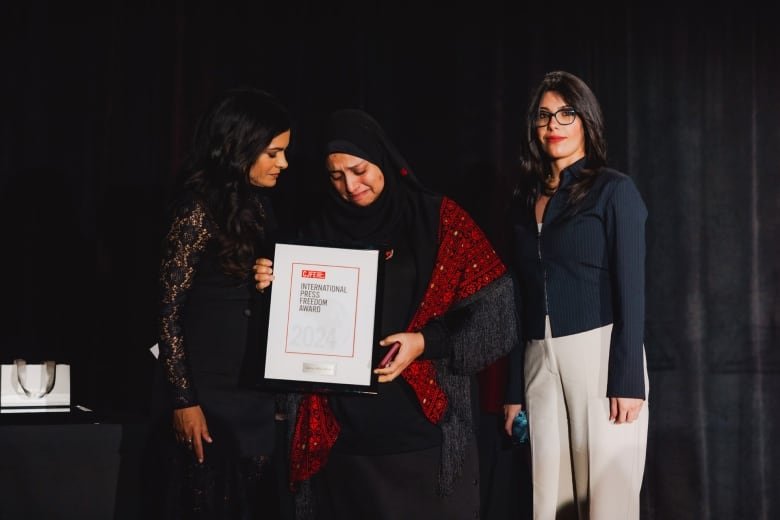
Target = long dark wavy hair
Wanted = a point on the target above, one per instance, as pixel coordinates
(229, 137)
(535, 166)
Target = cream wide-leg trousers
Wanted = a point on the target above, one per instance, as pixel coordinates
(583, 466)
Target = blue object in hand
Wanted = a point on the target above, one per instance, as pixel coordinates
(520, 428)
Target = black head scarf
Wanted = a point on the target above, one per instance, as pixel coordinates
(356, 133)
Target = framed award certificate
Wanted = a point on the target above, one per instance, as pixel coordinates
(322, 328)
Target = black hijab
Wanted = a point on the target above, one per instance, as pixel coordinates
(356, 133)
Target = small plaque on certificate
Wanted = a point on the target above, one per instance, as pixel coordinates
(322, 323)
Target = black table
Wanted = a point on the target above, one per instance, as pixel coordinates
(75, 464)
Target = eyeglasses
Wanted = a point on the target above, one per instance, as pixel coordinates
(564, 116)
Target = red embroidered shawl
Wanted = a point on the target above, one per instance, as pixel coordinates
(465, 263)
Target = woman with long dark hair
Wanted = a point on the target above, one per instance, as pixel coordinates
(579, 255)
(213, 314)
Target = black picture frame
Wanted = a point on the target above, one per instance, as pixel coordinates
(321, 386)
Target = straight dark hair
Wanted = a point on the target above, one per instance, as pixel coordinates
(535, 166)
(235, 129)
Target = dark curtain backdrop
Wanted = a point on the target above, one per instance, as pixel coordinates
(98, 105)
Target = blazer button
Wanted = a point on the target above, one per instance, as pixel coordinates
(247, 312)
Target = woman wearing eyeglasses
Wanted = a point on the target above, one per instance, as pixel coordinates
(579, 256)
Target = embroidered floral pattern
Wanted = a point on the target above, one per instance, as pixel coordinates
(316, 431)
(465, 263)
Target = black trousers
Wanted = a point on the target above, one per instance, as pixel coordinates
(395, 487)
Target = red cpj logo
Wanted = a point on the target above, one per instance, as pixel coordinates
(306, 273)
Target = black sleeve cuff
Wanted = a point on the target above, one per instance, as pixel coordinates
(435, 335)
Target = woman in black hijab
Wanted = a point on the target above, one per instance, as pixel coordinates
(408, 452)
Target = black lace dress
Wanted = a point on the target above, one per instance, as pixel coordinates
(211, 353)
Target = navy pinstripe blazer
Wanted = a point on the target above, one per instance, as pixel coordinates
(586, 269)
